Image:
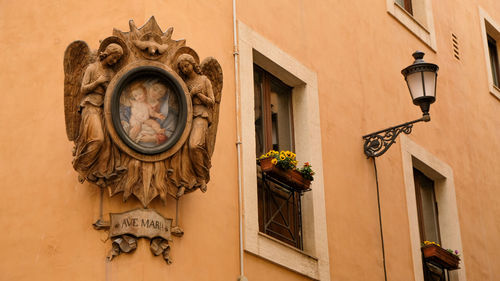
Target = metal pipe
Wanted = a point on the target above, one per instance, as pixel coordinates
(238, 141)
(380, 219)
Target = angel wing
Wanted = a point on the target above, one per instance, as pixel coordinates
(211, 68)
(76, 58)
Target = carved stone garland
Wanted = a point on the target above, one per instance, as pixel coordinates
(142, 112)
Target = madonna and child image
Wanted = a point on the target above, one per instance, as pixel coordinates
(148, 112)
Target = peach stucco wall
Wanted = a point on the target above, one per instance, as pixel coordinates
(357, 51)
(47, 215)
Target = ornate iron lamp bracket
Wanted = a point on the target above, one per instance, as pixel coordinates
(379, 142)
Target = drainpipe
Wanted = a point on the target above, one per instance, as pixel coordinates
(238, 140)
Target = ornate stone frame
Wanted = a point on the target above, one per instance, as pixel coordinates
(111, 103)
(155, 160)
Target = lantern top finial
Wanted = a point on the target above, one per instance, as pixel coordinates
(419, 56)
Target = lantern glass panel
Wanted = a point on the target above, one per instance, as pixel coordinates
(430, 83)
(415, 85)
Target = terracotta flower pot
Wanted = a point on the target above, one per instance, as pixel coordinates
(439, 256)
(290, 177)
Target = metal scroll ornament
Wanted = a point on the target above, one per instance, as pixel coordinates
(379, 142)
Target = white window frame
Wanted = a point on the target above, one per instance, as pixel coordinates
(494, 31)
(313, 261)
(415, 156)
(421, 23)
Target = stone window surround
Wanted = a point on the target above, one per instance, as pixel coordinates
(495, 33)
(313, 261)
(415, 156)
(421, 23)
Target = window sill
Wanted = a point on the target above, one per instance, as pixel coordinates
(285, 255)
(415, 21)
(495, 91)
(288, 246)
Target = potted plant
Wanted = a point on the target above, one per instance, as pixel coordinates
(446, 258)
(283, 166)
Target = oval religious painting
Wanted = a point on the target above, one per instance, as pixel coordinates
(149, 109)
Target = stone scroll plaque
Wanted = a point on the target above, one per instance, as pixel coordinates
(140, 223)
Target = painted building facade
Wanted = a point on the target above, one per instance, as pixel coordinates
(341, 62)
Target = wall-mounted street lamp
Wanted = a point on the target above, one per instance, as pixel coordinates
(421, 78)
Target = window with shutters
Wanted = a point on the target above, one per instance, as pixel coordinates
(432, 210)
(428, 220)
(280, 111)
(279, 206)
(427, 208)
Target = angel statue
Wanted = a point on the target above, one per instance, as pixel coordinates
(94, 154)
(205, 107)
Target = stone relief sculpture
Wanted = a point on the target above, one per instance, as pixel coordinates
(94, 156)
(202, 137)
(148, 113)
(142, 112)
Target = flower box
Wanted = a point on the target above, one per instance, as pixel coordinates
(290, 177)
(441, 257)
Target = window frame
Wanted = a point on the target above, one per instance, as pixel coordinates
(419, 178)
(490, 28)
(279, 208)
(420, 22)
(268, 81)
(313, 261)
(415, 156)
(407, 5)
(493, 54)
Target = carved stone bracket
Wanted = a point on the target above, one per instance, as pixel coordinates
(128, 244)
(159, 246)
(122, 243)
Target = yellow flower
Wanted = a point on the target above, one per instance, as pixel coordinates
(282, 157)
(431, 243)
(274, 161)
(288, 154)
